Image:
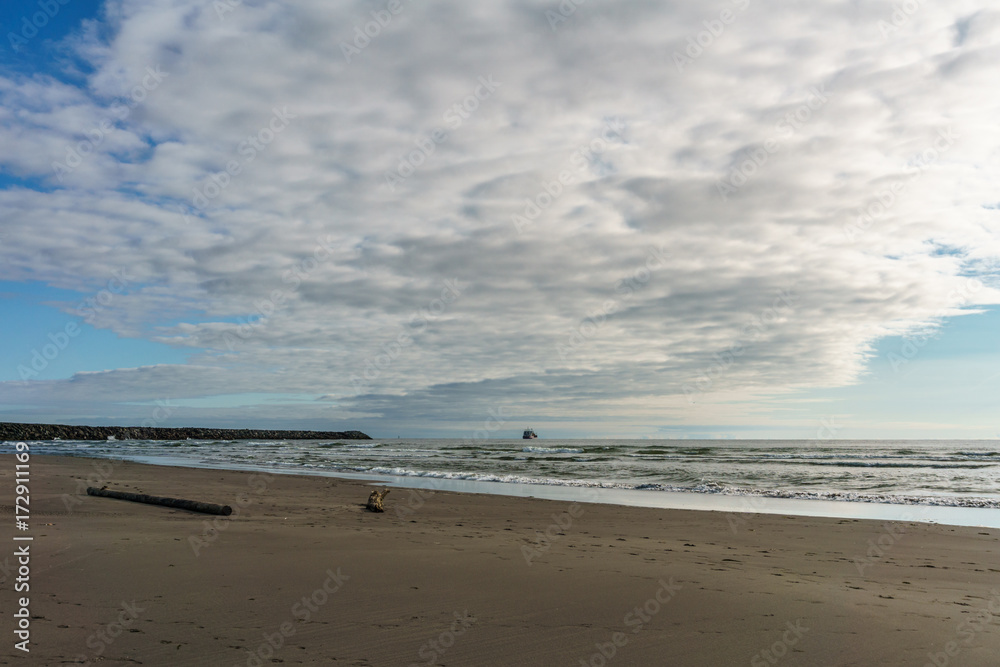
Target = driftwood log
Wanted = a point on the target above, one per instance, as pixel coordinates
(193, 505)
(375, 500)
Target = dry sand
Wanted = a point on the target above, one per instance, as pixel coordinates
(447, 582)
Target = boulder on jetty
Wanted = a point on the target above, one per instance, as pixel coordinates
(12, 432)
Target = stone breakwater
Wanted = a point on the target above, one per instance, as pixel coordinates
(18, 432)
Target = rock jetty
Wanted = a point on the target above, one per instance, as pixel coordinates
(12, 432)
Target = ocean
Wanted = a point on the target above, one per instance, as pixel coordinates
(914, 473)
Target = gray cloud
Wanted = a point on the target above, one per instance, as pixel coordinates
(304, 270)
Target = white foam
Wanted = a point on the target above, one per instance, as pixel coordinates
(552, 450)
(705, 488)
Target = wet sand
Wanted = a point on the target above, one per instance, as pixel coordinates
(301, 573)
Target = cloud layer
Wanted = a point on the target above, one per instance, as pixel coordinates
(666, 211)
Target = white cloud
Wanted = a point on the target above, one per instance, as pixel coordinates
(309, 226)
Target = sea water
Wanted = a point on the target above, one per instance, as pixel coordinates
(838, 477)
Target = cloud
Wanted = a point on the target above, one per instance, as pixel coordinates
(803, 152)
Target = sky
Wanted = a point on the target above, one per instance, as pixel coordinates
(433, 219)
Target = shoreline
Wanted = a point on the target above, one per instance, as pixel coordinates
(742, 505)
(302, 573)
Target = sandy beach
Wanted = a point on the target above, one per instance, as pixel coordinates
(301, 573)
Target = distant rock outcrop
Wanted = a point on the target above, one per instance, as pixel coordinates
(12, 432)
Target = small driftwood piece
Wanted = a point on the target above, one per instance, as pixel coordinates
(193, 505)
(375, 500)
